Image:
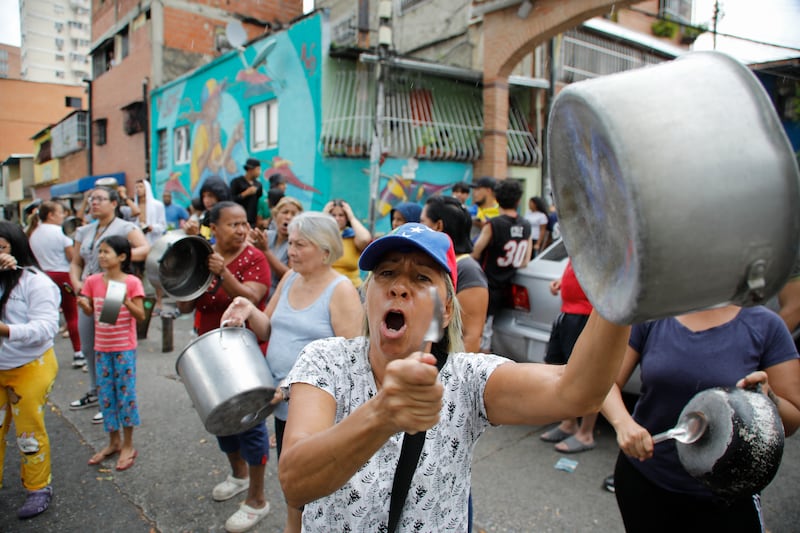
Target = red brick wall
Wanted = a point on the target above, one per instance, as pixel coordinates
(195, 33)
(73, 166)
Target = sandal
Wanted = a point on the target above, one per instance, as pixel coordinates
(124, 464)
(555, 435)
(245, 518)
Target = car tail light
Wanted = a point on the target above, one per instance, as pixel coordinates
(519, 298)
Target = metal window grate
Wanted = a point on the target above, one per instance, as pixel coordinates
(424, 117)
(584, 55)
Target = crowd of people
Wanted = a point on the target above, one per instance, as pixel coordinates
(378, 408)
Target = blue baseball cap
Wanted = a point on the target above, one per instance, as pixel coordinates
(412, 237)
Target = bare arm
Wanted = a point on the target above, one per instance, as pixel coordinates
(535, 393)
(528, 254)
(320, 456)
(783, 380)
(633, 439)
(362, 236)
(482, 242)
(76, 268)
(542, 237)
(789, 298)
(139, 246)
(474, 302)
(136, 307)
(347, 313)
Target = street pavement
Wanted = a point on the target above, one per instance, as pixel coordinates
(516, 487)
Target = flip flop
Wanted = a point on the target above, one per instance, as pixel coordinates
(99, 457)
(127, 464)
(574, 445)
(554, 435)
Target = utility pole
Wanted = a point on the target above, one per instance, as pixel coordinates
(384, 43)
(714, 26)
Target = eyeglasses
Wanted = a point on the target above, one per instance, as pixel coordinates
(99, 199)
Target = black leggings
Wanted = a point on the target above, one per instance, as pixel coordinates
(646, 507)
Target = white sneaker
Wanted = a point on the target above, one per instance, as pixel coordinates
(230, 488)
(245, 518)
(98, 418)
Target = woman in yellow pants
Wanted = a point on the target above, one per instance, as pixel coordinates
(29, 303)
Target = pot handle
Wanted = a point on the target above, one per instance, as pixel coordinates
(242, 326)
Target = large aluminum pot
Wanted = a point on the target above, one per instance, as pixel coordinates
(227, 379)
(740, 451)
(676, 187)
(178, 263)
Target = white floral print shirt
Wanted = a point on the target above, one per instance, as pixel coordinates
(437, 498)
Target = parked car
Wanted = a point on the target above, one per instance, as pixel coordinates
(522, 328)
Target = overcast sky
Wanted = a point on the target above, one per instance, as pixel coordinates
(771, 21)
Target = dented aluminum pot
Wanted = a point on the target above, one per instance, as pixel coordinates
(741, 449)
(178, 263)
(676, 187)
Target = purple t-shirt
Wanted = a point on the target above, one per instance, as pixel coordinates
(677, 363)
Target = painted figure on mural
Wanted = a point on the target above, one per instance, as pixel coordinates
(212, 154)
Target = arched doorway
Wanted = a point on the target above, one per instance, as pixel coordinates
(507, 38)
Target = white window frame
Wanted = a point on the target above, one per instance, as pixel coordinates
(181, 145)
(161, 160)
(264, 125)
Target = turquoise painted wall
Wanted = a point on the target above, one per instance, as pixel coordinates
(215, 102)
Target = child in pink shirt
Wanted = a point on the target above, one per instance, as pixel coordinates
(115, 348)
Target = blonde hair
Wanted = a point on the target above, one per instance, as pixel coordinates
(454, 330)
(287, 200)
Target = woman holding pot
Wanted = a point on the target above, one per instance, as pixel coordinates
(726, 346)
(241, 272)
(28, 366)
(103, 203)
(312, 302)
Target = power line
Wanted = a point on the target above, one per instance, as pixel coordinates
(702, 28)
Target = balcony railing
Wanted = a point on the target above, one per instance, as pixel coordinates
(423, 118)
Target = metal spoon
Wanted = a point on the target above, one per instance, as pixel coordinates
(436, 327)
(689, 429)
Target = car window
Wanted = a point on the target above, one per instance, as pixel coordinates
(555, 252)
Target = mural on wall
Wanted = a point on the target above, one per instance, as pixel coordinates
(209, 122)
(266, 102)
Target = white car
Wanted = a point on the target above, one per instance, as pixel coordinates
(522, 329)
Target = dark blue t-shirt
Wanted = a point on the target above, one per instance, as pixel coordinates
(677, 363)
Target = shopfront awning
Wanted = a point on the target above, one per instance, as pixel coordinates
(83, 184)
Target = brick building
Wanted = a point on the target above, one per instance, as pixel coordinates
(9, 61)
(138, 45)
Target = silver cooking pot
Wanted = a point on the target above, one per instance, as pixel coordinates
(740, 451)
(178, 263)
(228, 380)
(676, 188)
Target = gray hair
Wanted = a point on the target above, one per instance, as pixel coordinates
(321, 230)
